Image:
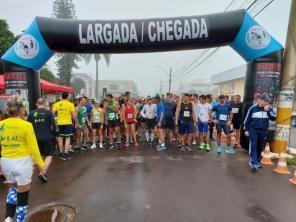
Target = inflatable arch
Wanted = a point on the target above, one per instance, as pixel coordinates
(238, 29)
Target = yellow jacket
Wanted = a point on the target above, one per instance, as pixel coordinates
(17, 139)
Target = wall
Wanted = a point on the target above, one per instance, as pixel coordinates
(231, 87)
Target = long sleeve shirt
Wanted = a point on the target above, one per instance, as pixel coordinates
(258, 118)
(17, 140)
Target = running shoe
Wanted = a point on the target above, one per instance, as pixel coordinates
(219, 150)
(83, 148)
(126, 144)
(183, 148)
(101, 146)
(67, 156)
(136, 144)
(61, 156)
(43, 178)
(258, 165)
(194, 142)
(93, 146)
(202, 146)
(161, 147)
(188, 147)
(179, 145)
(111, 146)
(208, 148)
(230, 150)
(8, 219)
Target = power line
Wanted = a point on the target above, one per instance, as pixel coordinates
(22, 4)
(187, 72)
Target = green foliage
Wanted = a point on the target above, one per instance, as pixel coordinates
(65, 9)
(291, 161)
(78, 84)
(47, 75)
(6, 37)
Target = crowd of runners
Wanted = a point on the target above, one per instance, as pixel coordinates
(68, 126)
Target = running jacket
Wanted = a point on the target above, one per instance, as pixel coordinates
(258, 118)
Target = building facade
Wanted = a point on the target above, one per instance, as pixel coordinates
(230, 82)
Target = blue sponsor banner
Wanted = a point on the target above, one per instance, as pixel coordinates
(253, 41)
(30, 50)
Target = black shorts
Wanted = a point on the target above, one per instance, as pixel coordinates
(150, 123)
(96, 125)
(236, 124)
(65, 130)
(113, 123)
(46, 147)
(168, 123)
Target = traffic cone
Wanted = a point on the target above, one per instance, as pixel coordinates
(282, 165)
(266, 160)
(293, 180)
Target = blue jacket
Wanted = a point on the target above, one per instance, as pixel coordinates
(258, 118)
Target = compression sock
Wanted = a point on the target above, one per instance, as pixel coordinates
(22, 206)
(147, 136)
(11, 202)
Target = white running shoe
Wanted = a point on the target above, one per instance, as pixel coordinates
(101, 146)
(8, 219)
(93, 146)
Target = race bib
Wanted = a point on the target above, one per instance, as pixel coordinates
(83, 119)
(186, 113)
(111, 115)
(234, 110)
(223, 117)
(129, 115)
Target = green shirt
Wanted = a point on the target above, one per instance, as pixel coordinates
(111, 114)
(81, 115)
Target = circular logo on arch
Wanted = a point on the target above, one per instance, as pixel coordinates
(257, 37)
(27, 47)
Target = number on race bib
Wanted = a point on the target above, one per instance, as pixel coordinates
(111, 115)
(186, 113)
(234, 110)
(223, 117)
(129, 115)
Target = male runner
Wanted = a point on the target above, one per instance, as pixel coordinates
(168, 123)
(65, 112)
(149, 112)
(237, 110)
(159, 123)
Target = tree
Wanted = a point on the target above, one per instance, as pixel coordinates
(6, 37)
(47, 75)
(65, 9)
(97, 58)
(78, 84)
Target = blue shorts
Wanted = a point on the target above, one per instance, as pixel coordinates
(168, 123)
(65, 130)
(186, 128)
(222, 126)
(203, 127)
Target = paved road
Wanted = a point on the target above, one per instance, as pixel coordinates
(131, 186)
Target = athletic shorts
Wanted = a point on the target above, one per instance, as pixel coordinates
(17, 170)
(65, 130)
(222, 126)
(113, 123)
(150, 123)
(46, 147)
(186, 128)
(203, 127)
(130, 123)
(168, 123)
(236, 124)
(96, 125)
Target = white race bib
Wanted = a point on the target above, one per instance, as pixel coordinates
(111, 115)
(83, 119)
(186, 113)
(129, 115)
(223, 117)
(234, 110)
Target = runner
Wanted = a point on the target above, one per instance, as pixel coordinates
(19, 150)
(168, 124)
(223, 122)
(129, 114)
(213, 103)
(256, 126)
(83, 123)
(196, 131)
(237, 110)
(203, 118)
(140, 119)
(44, 125)
(89, 106)
(65, 112)
(161, 125)
(187, 123)
(149, 112)
(112, 110)
(97, 120)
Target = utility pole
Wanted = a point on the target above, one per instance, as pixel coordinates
(170, 80)
(286, 101)
(160, 87)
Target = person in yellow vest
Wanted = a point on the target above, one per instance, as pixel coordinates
(19, 151)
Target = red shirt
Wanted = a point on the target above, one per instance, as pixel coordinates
(129, 114)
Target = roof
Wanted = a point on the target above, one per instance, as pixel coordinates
(231, 74)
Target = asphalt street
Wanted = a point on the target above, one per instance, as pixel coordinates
(145, 185)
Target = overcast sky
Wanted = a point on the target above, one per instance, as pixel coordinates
(142, 67)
